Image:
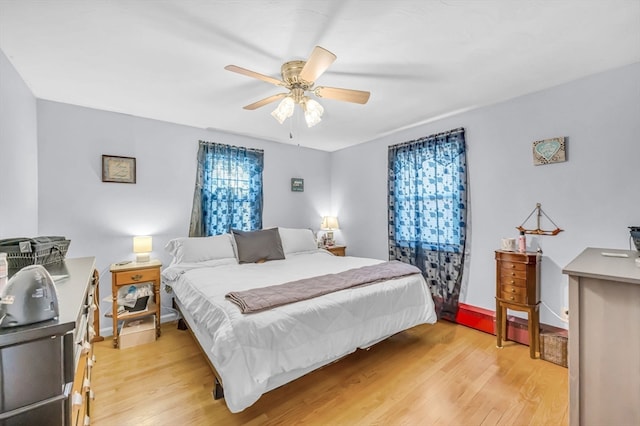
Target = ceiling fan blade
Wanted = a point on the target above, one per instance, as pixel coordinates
(317, 63)
(265, 101)
(347, 95)
(249, 73)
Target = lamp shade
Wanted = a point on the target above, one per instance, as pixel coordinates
(142, 246)
(312, 112)
(329, 222)
(284, 110)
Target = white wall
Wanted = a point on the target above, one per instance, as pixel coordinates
(101, 218)
(18, 155)
(593, 196)
(50, 163)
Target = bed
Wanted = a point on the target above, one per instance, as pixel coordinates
(256, 352)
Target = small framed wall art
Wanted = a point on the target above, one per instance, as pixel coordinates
(118, 169)
(549, 151)
(297, 184)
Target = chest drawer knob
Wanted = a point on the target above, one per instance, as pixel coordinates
(512, 298)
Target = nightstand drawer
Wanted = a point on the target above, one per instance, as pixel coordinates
(514, 281)
(507, 275)
(137, 276)
(516, 257)
(513, 297)
(513, 266)
(510, 289)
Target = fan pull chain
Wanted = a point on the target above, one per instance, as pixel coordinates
(291, 125)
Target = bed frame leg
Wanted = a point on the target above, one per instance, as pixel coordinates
(182, 325)
(218, 392)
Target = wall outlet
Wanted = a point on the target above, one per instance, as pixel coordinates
(565, 313)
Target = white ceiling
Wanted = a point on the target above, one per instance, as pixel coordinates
(420, 59)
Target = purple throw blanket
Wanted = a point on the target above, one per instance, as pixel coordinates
(259, 299)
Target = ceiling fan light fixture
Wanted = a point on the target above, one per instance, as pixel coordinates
(312, 112)
(300, 77)
(284, 109)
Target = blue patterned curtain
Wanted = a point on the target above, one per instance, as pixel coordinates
(428, 212)
(228, 192)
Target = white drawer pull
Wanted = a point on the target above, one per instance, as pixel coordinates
(76, 399)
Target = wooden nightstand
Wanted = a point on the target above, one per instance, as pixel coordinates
(518, 288)
(336, 250)
(132, 274)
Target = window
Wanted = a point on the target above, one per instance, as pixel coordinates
(228, 192)
(427, 194)
(428, 212)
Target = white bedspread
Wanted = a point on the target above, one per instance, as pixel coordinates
(250, 349)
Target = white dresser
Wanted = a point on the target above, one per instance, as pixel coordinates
(604, 338)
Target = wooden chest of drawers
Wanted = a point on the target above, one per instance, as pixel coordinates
(518, 288)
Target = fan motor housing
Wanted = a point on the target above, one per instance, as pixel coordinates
(290, 72)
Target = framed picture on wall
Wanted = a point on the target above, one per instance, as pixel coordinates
(118, 169)
(297, 184)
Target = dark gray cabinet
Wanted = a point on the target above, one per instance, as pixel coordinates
(42, 365)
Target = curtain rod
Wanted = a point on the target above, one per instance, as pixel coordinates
(448, 132)
(232, 146)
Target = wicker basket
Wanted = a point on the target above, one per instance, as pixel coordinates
(23, 252)
(553, 348)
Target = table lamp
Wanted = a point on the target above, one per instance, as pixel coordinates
(329, 223)
(142, 247)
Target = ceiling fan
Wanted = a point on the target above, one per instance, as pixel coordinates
(299, 77)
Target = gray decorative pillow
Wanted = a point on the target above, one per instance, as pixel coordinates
(258, 246)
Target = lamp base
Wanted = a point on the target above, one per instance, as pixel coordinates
(329, 238)
(143, 258)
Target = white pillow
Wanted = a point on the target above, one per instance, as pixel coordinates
(200, 249)
(297, 240)
(173, 271)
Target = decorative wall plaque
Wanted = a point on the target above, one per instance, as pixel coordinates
(549, 151)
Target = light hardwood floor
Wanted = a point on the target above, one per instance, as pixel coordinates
(442, 374)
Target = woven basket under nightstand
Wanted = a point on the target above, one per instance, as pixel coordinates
(554, 348)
